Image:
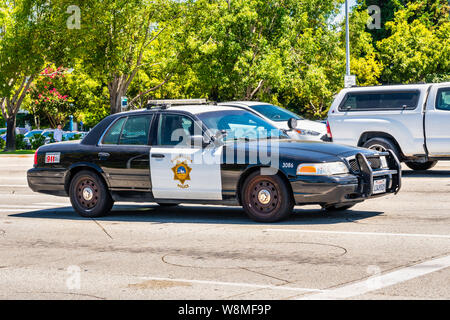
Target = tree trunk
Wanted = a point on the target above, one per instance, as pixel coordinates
(117, 89)
(11, 134)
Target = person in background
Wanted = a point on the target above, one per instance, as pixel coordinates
(57, 135)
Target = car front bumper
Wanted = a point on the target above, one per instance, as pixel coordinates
(349, 188)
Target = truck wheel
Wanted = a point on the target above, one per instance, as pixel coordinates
(89, 195)
(421, 165)
(335, 207)
(266, 198)
(382, 145)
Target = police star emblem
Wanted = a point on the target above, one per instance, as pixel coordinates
(181, 173)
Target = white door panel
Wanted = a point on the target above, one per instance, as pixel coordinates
(186, 173)
(437, 120)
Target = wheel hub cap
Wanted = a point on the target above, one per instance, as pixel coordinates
(264, 196)
(88, 194)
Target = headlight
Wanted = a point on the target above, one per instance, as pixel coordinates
(384, 163)
(322, 169)
(307, 132)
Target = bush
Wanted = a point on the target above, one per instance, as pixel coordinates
(2, 144)
(20, 143)
(36, 141)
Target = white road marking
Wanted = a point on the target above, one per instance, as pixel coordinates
(382, 281)
(236, 284)
(364, 233)
(21, 206)
(13, 185)
(53, 203)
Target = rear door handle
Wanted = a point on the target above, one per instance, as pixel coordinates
(158, 155)
(103, 155)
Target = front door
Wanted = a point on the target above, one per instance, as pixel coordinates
(437, 118)
(180, 170)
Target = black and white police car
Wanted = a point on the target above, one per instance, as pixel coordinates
(208, 154)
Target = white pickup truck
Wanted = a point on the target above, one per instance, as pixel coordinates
(411, 120)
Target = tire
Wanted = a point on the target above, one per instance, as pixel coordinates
(277, 194)
(334, 207)
(89, 195)
(421, 165)
(382, 144)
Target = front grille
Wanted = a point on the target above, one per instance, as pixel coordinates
(375, 163)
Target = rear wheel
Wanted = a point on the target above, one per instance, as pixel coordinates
(421, 165)
(266, 198)
(89, 195)
(382, 145)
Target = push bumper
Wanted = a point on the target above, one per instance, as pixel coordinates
(47, 181)
(349, 188)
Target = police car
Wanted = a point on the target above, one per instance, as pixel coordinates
(208, 154)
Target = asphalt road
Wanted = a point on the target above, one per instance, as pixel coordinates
(396, 247)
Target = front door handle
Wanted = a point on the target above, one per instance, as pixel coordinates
(158, 155)
(103, 155)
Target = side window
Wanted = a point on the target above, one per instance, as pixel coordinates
(443, 99)
(113, 134)
(174, 129)
(136, 130)
(367, 101)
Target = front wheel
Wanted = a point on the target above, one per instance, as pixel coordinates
(89, 195)
(421, 165)
(266, 198)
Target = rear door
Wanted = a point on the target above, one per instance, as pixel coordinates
(180, 170)
(437, 120)
(124, 153)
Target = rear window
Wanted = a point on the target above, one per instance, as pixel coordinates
(368, 101)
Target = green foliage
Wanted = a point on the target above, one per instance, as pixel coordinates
(20, 143)
(2, 144)
(36, 141)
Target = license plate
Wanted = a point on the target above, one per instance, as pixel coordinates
(379, 186)
(52, 157)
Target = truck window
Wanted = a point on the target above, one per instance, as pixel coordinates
(380, 100)
(443, 99)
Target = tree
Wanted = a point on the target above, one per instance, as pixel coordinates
(117, 38)
(23, 54)
(417, 50)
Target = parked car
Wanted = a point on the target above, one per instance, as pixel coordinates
(208, 154)
(18, 131)
(29, 135)
(73, 134)
(279, 117)
(410, 120)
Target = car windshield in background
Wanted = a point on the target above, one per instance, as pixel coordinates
(32, 133)
(240, 124)
(275, 113)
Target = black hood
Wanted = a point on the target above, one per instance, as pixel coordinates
(310, 151)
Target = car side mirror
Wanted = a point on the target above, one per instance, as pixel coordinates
(292, 123)
(199, 140)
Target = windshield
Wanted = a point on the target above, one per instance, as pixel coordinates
(275, 113)
(240, 124)
(32, 133)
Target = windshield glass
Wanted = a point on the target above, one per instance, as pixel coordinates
(275, 113)
(32, 133)
(240, 124)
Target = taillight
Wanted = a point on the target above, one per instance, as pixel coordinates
(329, 131)
(36, 158)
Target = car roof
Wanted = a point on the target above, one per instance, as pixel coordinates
(417, 86)
(244, 103)
(198, 109)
